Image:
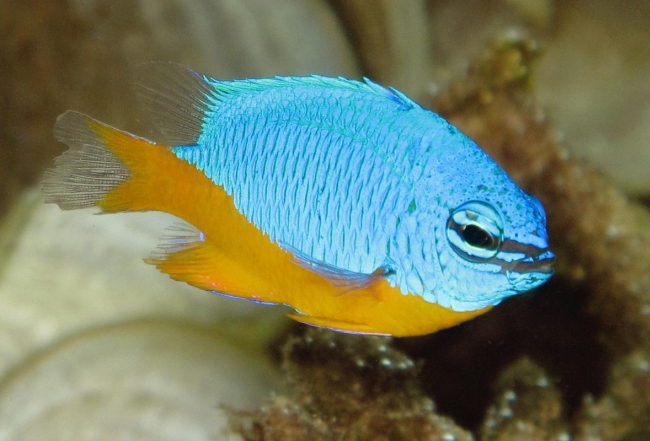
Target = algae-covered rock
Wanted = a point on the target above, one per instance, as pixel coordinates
(623, 412)
(350, 388)
(582, 327)
(527, 406)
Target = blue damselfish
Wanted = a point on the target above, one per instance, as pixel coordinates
(342, 199)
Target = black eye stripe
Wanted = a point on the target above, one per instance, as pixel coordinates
(511, 246)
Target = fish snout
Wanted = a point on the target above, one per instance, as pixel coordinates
(539, 267)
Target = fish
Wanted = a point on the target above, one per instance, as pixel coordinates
(342, 199)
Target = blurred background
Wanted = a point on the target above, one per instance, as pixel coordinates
(91, 339)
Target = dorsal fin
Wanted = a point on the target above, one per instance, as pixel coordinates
(177, 100)
(367, 86)
(392, 94)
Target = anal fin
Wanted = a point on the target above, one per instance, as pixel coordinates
(187, 255)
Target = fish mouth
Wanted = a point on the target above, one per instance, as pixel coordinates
(540, 264)
(537, 262)
(530, 271)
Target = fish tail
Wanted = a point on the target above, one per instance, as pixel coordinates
(104, 167)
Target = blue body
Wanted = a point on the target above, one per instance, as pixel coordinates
(355, 177)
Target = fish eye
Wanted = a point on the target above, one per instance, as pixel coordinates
(475, 231)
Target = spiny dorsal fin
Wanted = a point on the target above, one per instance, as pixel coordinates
(392, 94)
(367, 86)
(177, 98)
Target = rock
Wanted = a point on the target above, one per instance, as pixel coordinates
(81, 54)
(392, 40)
(150, 380)
(65, 272)
(591, 79)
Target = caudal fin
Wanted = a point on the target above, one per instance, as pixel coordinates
(101, 168)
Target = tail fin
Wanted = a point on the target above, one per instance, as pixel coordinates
(100, 168)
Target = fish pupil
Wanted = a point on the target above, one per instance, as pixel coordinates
(478, 237)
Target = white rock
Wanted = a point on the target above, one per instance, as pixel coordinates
(69, 271)
(133, 382)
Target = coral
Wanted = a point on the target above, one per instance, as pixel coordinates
(527, 407)
(350, 388)
(601, 238)
(589, 327)
(624, 411)
(594, 229)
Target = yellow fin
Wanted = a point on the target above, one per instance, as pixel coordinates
(186, 255)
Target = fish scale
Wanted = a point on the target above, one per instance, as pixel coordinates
(349, 251)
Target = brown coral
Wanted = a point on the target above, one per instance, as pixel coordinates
(603, 249)
(350, 388)
(527, 406)
(582, 327)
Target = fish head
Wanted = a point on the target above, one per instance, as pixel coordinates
(497, 250)
(480, 242)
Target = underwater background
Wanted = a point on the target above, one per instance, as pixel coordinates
(96, 345)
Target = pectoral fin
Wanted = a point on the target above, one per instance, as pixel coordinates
(344, 280)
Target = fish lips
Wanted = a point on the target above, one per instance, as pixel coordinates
(539, 267)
